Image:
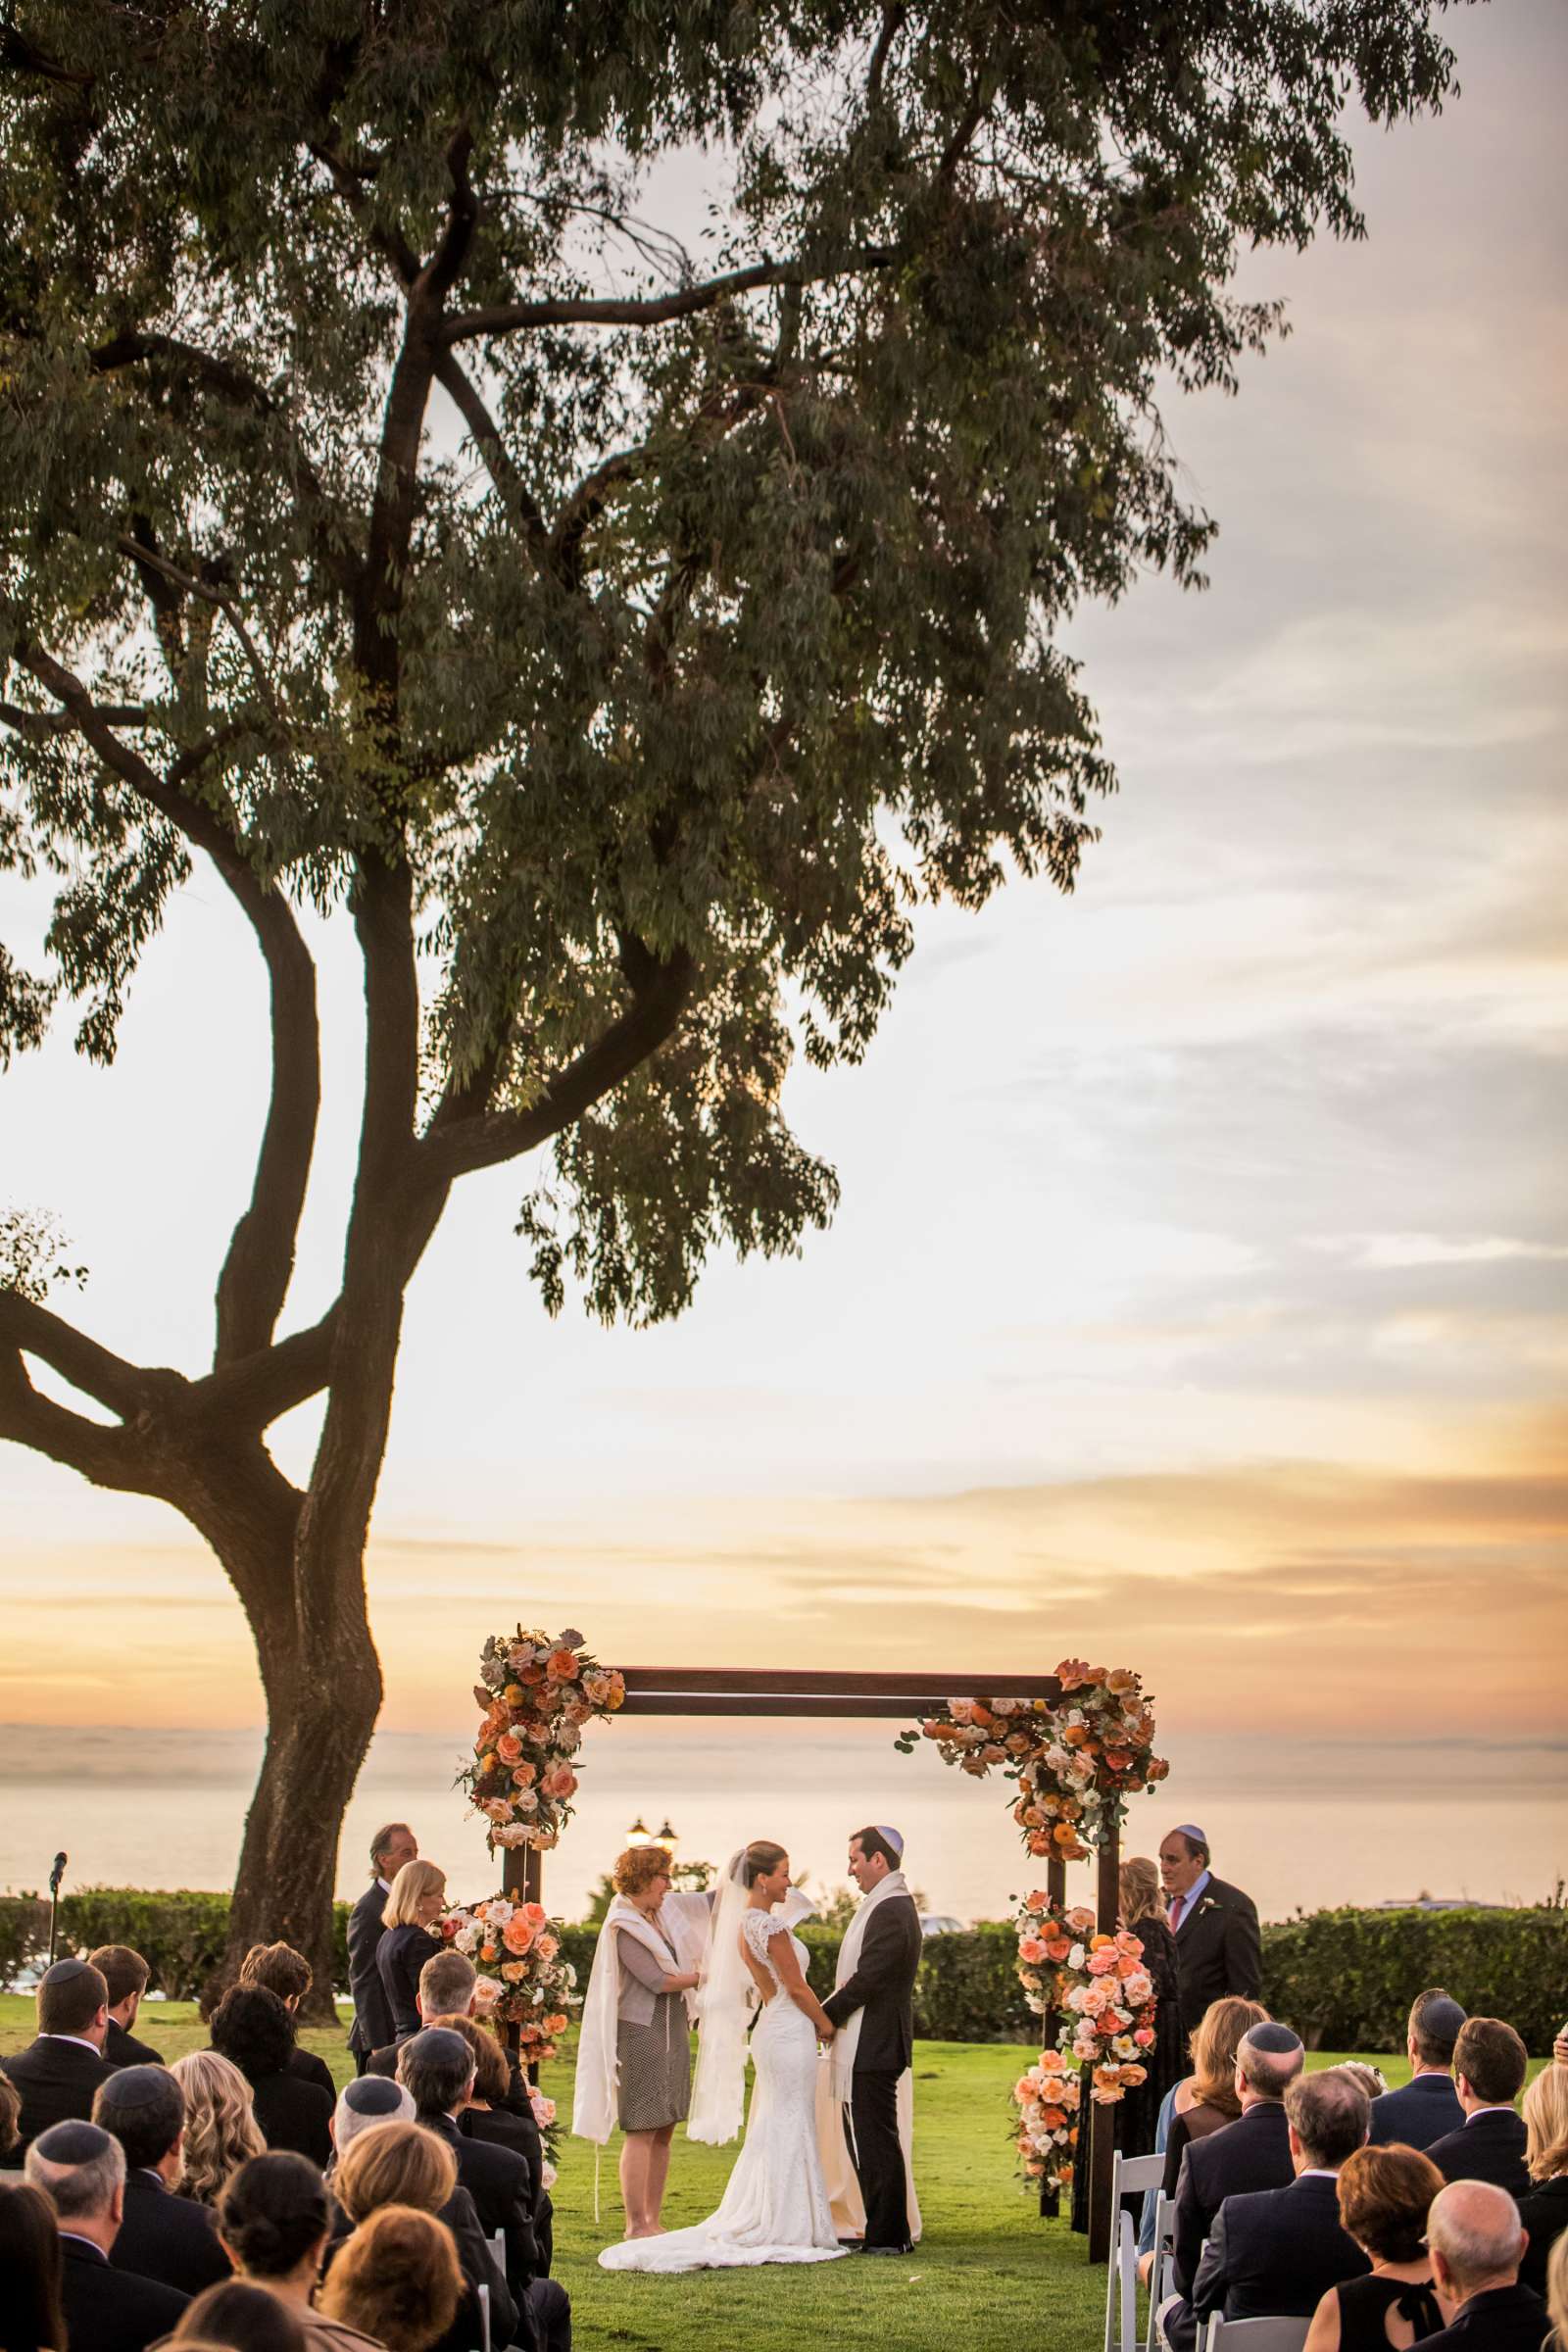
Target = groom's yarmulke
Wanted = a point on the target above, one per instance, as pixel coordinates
(891, 1837)
(1277, 2039)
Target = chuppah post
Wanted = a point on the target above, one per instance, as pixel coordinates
(1104, 2122)
(523, 1877)
(1050, 2027)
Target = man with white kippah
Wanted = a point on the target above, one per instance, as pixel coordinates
(1218, 1947)
(873, 2009)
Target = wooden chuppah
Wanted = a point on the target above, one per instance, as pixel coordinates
(897, 1698)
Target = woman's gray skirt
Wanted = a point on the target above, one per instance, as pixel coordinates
(655, 2068)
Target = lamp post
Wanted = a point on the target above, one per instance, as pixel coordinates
(667, 1836)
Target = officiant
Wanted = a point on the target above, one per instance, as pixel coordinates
(873, 2008)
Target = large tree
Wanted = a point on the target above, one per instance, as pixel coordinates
(400, 521)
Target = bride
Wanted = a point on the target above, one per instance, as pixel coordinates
(775, 2208)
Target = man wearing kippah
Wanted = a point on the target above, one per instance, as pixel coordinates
(57, 2075)
(1426, 2107)
(81, 2170)
(1218, 1947)
(873, 2009)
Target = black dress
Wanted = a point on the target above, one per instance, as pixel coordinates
(399, 1957)
(1365, 2304)
(1167, 2063)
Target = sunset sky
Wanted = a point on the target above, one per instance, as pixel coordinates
(1197, 1297)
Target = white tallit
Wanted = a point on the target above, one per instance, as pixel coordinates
(847, 2039)
(838, 2088)
(683, 1919)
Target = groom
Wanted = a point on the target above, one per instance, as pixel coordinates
(874, 2010)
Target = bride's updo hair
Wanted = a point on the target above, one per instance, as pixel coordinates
(761, 1859)
(638, 1867)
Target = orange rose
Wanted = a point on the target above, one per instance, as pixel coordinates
(1054, 2118)
(509, 1748)
(517, 1935)
(514, 1970)
(1121, 1679)
(561, 1666)
(556, 2025)
(1057, 1948)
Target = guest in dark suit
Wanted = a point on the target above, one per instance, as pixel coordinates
(10, 2109)
(279, 1967)
(253, 2031)
(1251, 2154)
(880, 1989)
(82, 2170)
(1427, 2107)
(403, 2163)
(1473, 2231)
(393, 1845)
(408, 1937)
(500, 2111)
(1218, 1945)
(1274, 2253)
(126, 1973)
(162, 2235)
(56, 2077)
(29, 2267)
(1544, 2210)
(1490, 2065)
(447, 1981)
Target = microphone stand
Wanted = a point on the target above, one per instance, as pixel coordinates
(55, 1877)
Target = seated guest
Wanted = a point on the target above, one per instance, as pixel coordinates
(220, 2128)
(82, 2171)
(32, 2317)
(251, 2028)
(1252, 2153)
(1274, 2253)
(56, 2075)
(1489, 2066)
(408, 1939)
(1384, 2196)
(367, 2099)
(406, 2166)
(437, 2069)
(1203, 2101)
(162, 2235)
(1369, 2079)
(1476, 2241)
(1544, 2210)
(10, 2109)
(1427, 2107)
(500, 2110)
(273, 2220)
(124, 1973)
(242, 2318)
(281, 1969)
(448, 1982)
(1558, 2279)
(397, 2279)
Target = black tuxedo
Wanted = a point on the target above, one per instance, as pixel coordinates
(112, 2310)
(1422, 2110)
(305, 2067)
(1489, 2146)
(1509, 2318)
(512, 2128)
(1276, 2253)
(124, 2049)
(497, 2180)
(1544, 2215)
(372, 2019)
(1240, 2158)
(882, 1987)
(294, 2114)
(166, 2237)
(1218, 1950)
(58, 2081)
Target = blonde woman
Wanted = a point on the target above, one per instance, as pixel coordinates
(1557, 2293)
(220, 2128)
(1544, 2210)
(410, 1934)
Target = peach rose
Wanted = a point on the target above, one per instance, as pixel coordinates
(560, 1780)
(1031, 1948)
(547, 1947)
(1121, 1679)
(1054, 2118)
(514, 1970)
(561, 1666)
(1144, 2037)
(517, 1935)
(509, 1748)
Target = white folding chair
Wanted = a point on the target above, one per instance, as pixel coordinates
(482, 2294)
(1158, 2336)
(1254, 2335)
(1164, 2230)
(1121, 2288)
(1130, 2174)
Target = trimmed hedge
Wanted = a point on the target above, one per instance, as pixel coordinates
(1344, 1979)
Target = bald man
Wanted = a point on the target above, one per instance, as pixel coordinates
(1476, 2239)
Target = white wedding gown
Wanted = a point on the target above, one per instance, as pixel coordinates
(775, 2208)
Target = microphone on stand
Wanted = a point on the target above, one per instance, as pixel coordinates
(55, 1877)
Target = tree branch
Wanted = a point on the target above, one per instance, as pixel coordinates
(96, 1371)
(253, 1391)
(657, 310)
(40, 725)
(147, 557)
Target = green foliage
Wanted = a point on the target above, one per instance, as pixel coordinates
(1346, 1979)
(33, 1252)
(180, 1933)
(728, 634)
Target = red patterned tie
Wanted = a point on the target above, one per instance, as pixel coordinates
(1178, 1904)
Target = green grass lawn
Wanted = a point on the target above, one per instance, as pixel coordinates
(989, 2274)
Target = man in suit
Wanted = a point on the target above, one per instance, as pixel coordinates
(162, 2235)
(1476, 2241)
(57, 2075)
(1251, 2154)
(126, 1973)
(447, 1986)
(1218, 1946)
(436, 2068)
(393, 1845)
(82, 2170)
(873, 2007)
(1427, 2107)
(1490, 2065)
(1276, 2252)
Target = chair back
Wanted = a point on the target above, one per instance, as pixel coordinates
(1164, 2232)
(1121, 2288)
(482, 2294)
(1130, 2174)
(1256, 2336)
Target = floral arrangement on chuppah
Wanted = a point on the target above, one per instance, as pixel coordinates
(1076, 1762)
(1048, 2097)
(516, 1949)
(1097, 1983)
(537, 1694)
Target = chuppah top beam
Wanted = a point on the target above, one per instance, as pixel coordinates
(811, 1691)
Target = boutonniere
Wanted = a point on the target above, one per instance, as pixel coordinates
(1207, 1904)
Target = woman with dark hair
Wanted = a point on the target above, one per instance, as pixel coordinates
(273, 2220)
(242, 2318)
(10, 2109)
(32, 2317)
(1384, 2194)
(252, 2028)
(287, 1972)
